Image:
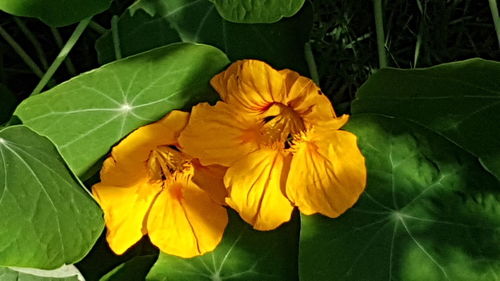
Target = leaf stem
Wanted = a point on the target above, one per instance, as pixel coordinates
(379, 25)
(19, 50)
(311, 63)
(97, 27)
(496, 18)
(36, 44)
(62, 55)
(116, 38)
(59, 42)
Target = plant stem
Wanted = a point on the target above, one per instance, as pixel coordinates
(24, 56)
(311, 63)
(496, 18)
(34, 41)
(97, 27)
(116, 37)
(379, 25)
(59, 42)
(62, 55)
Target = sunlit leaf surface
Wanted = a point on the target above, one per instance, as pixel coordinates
(243, 255)
(47, 219)
(7, 274)
(86, 115)
(460, 101)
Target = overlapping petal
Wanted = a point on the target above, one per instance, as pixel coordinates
(327, 172)
(250, 84)
(184, 221)
(306, 98)
(219, 134)
(180, 217)
(125, 208)
(256, 188)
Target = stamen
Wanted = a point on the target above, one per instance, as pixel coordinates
(167, 163)
(281, 127)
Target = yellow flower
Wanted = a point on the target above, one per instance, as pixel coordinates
(280, 138)
(148, 186)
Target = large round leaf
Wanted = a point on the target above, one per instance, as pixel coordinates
(459, 100)
(430, 212)
(257, 11)
(46, 218)
(86, 115)
(55, 12)
(198, 21)
(243, 255)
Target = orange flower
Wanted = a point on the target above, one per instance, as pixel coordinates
(280, 139)
(148, 186)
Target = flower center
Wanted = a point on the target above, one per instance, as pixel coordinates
(281, 124)
(166, 163)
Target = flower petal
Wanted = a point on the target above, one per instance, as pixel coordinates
(327, 173)
(256, 189)
(132, 152)
(251, 84)
(211, 179)
(184, 221)
(125, 209)
(219, 134)
(306, 98)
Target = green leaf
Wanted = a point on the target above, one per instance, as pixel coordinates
(198, 21)
(7, 274)
(46, 218)
(132, 270)
(55, 12)
(459, 100)
(244, 254)
(430, 212)
(7, 104)
(137, 32)
(257, 11)
(86, 115)
(65, 272)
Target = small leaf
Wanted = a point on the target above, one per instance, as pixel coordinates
(430, 212)
(459, 100)
(7, 274)
(257, 11)
(55, 12)
(244, 254)
(46, 218)
(88, 114)
(132, 270)
(199, 21)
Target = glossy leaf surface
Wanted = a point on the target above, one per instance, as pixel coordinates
(88, 114)
(47, 219)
